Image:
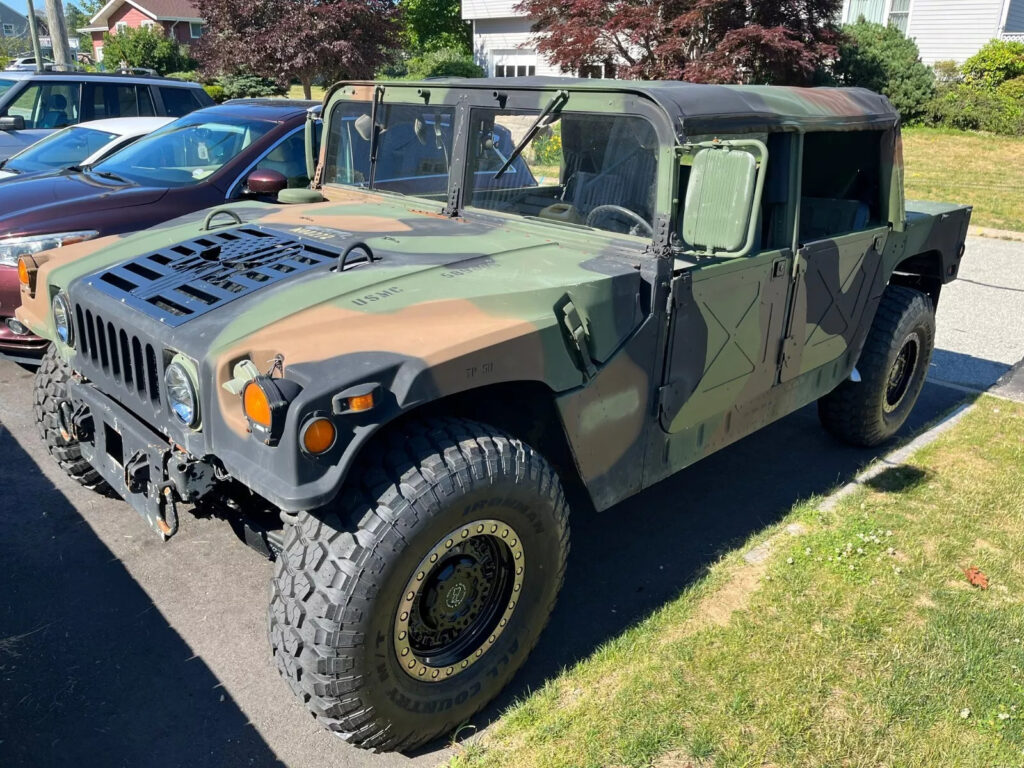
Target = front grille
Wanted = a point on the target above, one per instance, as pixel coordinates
(124, 359)
(184, 281)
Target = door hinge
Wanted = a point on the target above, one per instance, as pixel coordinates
(577, 336)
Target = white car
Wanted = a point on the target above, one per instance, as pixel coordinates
(78, 145)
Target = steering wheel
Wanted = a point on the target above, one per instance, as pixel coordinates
(640, 227)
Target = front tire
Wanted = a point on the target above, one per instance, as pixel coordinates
(408, 604)
(892, 365)
(50, 392)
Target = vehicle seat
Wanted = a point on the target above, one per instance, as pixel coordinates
(282, 161)
(56, 116)
(822, 217)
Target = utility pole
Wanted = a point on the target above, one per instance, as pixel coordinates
(33, 32)
(58, 33)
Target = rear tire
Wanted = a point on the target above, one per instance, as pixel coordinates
(405, 606)
(50, 390)
(892, 366)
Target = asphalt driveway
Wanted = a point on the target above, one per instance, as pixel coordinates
(117, 649)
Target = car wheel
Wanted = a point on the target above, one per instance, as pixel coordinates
(892, 366)
(50, 396)
(408, 604)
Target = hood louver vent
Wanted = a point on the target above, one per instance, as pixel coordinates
(181, 282)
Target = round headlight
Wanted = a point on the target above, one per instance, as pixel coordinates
(62, 319)
(181, 395)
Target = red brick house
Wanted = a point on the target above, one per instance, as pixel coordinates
(178, 18)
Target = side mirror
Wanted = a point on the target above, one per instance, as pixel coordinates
(265, 183)
(12, 123)
(722, 198)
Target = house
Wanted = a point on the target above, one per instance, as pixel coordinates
(944, 29)
(14, 25)
(178, 18)
(501, 40)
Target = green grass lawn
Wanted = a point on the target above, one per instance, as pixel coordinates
(858, 642)
(295, 92)
(979, 169)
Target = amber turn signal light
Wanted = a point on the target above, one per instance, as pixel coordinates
(256, 404)
(318, 436)
(361, 402)
(27, 270)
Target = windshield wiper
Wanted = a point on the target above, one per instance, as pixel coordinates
(378, 97)
(111, 176)
(556, 101)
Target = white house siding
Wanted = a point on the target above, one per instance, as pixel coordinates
(489, 9)
(506, 42)
(953, 29)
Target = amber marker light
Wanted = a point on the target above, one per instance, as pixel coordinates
(22, 271)
(256, 404)
(361, 402)
(318, 436)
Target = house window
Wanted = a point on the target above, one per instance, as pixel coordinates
(8, 30)
(148, 23)
(605, 70)
(195, 29)
(120, 27)
(515, 70)
(871, 10)
(899, 12)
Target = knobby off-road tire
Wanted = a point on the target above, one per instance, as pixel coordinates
(892, 366)
(50, 389)
(404, 607)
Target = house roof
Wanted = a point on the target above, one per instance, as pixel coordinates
(158, 10)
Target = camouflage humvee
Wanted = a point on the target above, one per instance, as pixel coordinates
(494, 290)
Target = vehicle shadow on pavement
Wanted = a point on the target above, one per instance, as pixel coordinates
(628, 561)
(90, 671)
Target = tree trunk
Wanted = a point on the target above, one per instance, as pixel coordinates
(307, 88)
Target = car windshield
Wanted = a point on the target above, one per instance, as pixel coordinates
(413, 156)
(60, 150)
(185, 152)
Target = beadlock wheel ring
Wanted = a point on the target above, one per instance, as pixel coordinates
(459, 600)
(901, 373)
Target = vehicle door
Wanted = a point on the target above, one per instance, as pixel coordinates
(287, 156)
(842, 233)
(727, 309)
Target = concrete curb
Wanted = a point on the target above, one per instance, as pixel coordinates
(899, 456)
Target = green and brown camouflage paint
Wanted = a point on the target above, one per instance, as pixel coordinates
(682, 356)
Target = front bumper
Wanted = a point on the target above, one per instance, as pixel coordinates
(138, 463)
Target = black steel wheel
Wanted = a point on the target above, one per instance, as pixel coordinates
(401, 610)
(892, 365)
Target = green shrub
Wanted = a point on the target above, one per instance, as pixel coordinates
(446, 62)
(547, 147)
(247, 86)
(189, 75)
(145, 47)
(215, 92)
(997, 62)
(884, 60)
(947, 71)
(970, 108)
(1012, 89)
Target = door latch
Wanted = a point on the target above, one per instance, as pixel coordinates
(577, 336)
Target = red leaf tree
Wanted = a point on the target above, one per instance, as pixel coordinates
(711, 41)
(297, 39)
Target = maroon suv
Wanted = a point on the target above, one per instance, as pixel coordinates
(203, 159)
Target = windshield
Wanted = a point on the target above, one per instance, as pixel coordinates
(414, 154)
(591, 169)
(185, 152)
(60, 150)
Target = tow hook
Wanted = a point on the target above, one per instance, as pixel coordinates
(75, 422)
(167, 510)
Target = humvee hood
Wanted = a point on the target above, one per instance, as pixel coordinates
(285, 282)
